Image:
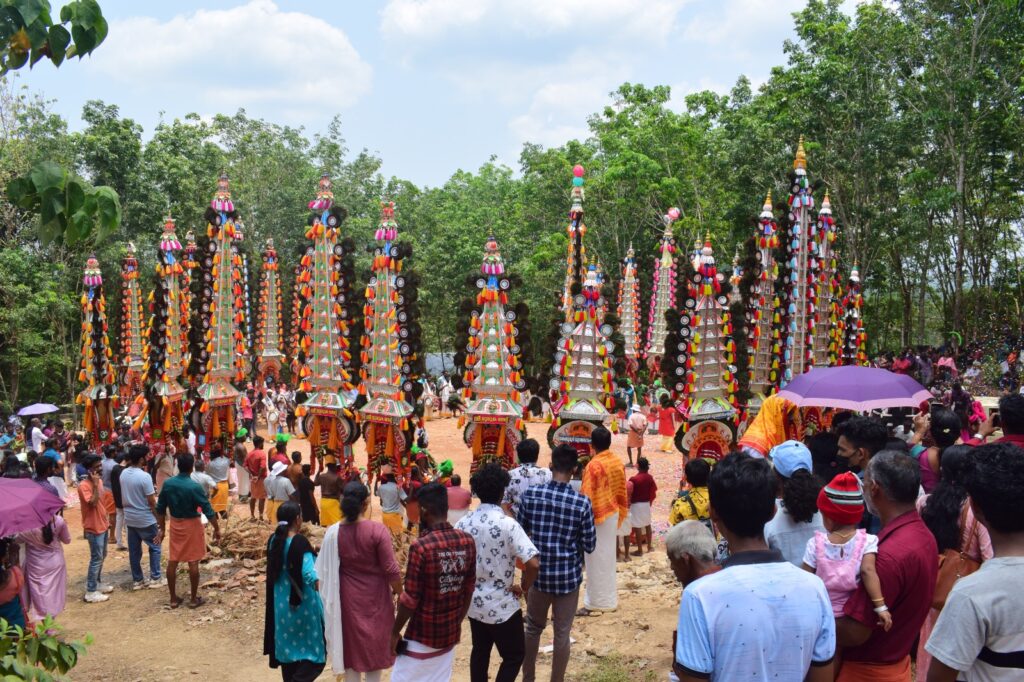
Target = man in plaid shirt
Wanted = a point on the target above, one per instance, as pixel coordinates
(560, 522)
(439, 583)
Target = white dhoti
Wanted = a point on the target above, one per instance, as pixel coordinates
(455, 514)
(601, 593)
(640, 514)
(243, 480)
(437, 668)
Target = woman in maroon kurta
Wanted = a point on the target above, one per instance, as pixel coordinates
(369, 577)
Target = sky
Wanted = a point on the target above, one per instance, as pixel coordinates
(431, 86)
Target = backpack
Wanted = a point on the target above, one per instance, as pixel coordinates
(685, 495)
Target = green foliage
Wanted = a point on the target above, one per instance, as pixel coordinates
(38, 655)
(912, 117)
(68, 208)
(28, 34)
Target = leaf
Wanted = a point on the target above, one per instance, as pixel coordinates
(87, 13)
(48, 175)
(21, 192)
(75, 193)
(58, 39)
(30, 10)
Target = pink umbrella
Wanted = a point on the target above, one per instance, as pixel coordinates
(25, 505)
(854, 388)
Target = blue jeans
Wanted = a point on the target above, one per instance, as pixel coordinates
(136, 536)
(97, 553)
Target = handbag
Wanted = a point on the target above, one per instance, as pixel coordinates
(954, 564)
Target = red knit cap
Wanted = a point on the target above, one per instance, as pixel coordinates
(842, 500)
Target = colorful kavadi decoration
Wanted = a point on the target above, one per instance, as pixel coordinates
(390, 355)
(490, 362)
(576, 230)
(851, 324)
(223, 323)
(663, 293)
(323, 355)
(709, 395)
(96, 370)
(629, 313)
(583, 372)
(269, 358)
(763, 319)
(167, 337)
(132, 352)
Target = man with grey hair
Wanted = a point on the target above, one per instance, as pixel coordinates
(906, 567)
(691, 551)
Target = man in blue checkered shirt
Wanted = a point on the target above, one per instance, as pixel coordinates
(560, 522)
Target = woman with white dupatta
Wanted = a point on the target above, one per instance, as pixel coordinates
(358, 580)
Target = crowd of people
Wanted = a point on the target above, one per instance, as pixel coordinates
(874, 551)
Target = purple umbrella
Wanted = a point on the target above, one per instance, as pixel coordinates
(25, 505)
(37, 408)
(854, 388)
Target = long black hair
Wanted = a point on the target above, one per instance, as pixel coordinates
(942, 510)
(945, 427)
(800, 495)
(48, 533)
(353, 496)
(286, 515)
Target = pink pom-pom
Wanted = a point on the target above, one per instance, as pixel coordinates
(673, 213)
(577, 170)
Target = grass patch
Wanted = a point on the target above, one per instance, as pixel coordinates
(614, 668)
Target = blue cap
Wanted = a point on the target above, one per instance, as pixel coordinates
(790, 457)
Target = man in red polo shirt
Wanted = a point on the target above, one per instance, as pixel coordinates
(907, 569)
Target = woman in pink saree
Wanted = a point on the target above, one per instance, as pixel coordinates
(46, 573)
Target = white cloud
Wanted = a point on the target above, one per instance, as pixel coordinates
(252, 55)
(565, 95)
(426, 20)
(742, 25)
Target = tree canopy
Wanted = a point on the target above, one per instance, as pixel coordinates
(911, 113)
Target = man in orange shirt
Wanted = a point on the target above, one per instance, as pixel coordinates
(95, 522)
(604, 482)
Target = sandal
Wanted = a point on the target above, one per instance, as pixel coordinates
(196, 603)
(175, 603)
(587, 613)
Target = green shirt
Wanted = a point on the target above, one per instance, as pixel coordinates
(183, 496)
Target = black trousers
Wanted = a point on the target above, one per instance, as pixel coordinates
(508, 637)
(301, 671)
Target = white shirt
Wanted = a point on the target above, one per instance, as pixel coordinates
(500, 540)
(37, 439)
(522, 477)
(983, 620)
(190, 442)
(203, 479)
(755, 621)
(279, 488)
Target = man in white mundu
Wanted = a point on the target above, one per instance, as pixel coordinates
(604, 482)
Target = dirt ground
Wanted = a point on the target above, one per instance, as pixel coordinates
(137, 637)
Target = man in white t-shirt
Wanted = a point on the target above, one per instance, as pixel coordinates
(36, 437)
(733, 623)
(524, 476)
(980, 631)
